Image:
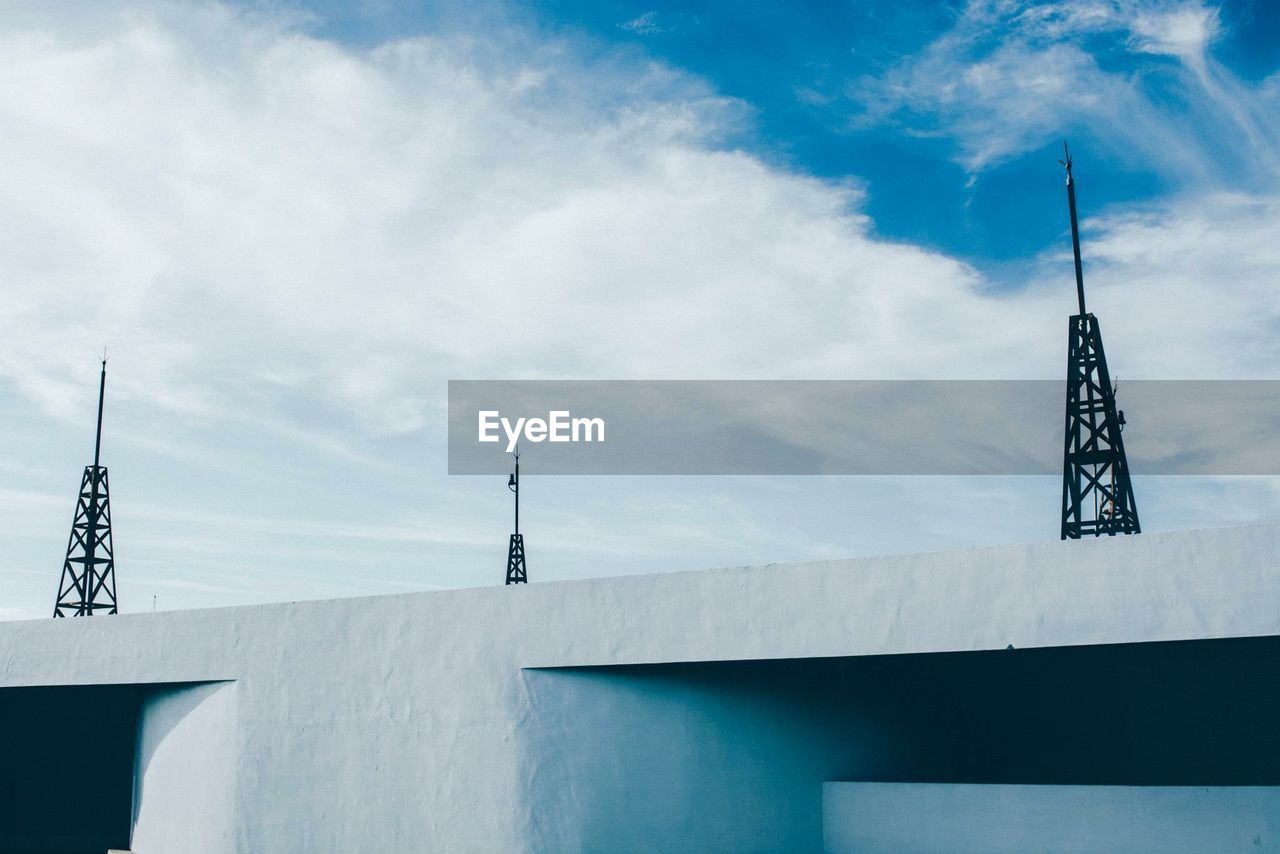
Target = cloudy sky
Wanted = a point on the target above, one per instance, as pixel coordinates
(292, 223)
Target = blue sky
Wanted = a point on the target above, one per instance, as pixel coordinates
(800, 68)
(293, 223)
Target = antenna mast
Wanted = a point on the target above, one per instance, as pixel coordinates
(1097, 494)
(517, 572)
(89, 569)
(1075, 229)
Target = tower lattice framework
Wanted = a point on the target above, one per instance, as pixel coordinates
(1097, 495)
(88, 584)
(516, 570)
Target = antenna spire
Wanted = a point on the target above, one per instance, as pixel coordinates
(1075, 228)
(102, 391)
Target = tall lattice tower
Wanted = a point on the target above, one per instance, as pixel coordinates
(517, 572)
(1097, 495)
(89, 572)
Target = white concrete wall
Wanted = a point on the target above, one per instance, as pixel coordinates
(915, 818)
(401, 723)
(185, 784)
(621, 762)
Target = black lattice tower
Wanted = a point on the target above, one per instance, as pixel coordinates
(517, 572)
(1097, 495)
(89, 572)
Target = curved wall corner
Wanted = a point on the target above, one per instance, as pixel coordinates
(184, 784)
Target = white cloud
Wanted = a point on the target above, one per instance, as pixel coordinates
(1184, 31)
(241, 212)
(246, 215)
(1189, 282)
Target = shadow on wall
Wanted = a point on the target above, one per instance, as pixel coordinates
(720, 756)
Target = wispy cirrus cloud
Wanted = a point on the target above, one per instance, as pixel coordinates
(654, 23)
(1009, 77)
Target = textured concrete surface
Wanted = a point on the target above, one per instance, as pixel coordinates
(914, 818)
(184, 788)
(405, 723)
(729, 756)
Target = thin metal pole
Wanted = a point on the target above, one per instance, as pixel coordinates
(102, 390)
(1075, 229)
(91, 518)
(516, 572)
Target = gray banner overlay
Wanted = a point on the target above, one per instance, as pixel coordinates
(944, 427)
